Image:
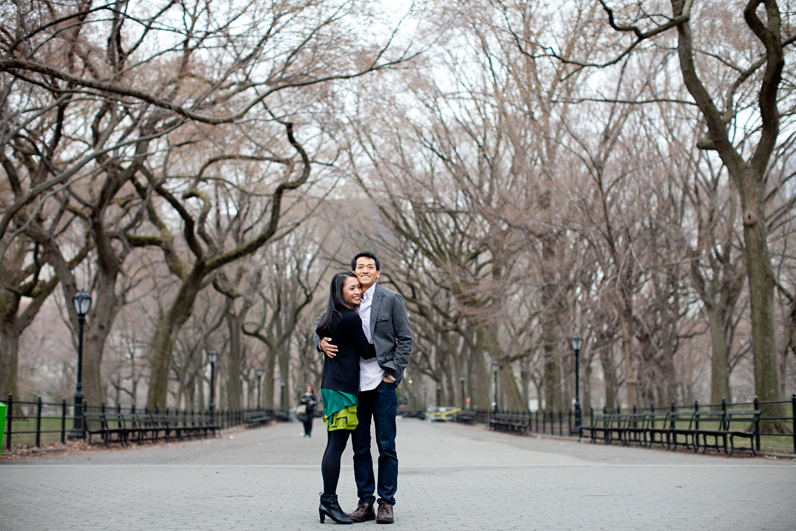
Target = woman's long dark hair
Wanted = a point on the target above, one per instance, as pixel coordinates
(336, 302)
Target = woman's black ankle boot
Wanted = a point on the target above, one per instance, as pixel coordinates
(329, 507)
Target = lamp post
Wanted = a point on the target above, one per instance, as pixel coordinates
(577, 343)
(425, 398)
(282, 394)
(82, 304)
(212, 356)
(495, 367)
(439, 394)
(259, 373)
(461, 379)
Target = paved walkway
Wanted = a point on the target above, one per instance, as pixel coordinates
(451, 477)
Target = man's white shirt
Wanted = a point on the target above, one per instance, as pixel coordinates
(370, 373)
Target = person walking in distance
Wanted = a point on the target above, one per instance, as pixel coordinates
(386, 325)
(309, 401)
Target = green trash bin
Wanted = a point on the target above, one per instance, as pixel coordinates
(3, 408)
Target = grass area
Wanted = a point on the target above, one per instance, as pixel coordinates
(24, 433)
(780, 444)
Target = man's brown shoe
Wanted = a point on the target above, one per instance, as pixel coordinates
(385, 515)
(363, 513)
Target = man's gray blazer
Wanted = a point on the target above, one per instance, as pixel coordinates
(390, 331)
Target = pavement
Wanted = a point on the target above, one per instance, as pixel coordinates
(451, 477)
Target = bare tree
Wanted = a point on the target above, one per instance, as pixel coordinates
(204, 66)
(286, 286)
(745, 85)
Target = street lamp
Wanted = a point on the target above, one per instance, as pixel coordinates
(212, 356)
(425, 398)
(82, 304)
(577, 343)
(461, 379)
(259, 373)
(495, 367)
(282, 394)
(439, 394)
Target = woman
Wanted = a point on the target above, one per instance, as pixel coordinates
(340, 383)
(309, 400)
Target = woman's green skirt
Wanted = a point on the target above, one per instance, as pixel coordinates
(339, 410)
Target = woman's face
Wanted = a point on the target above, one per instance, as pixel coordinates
(352, 292)
(309, 389)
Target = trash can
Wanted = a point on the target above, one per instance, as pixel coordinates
(3, 408)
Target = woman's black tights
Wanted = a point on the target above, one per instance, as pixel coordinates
(330, 466)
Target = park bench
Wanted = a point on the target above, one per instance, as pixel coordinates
(253, 419)
(141, 428)
(195, 423)
(169, 425)
(692, 429)
(153, 426)
(191, 424)
(514, 422)
(750, 422)
(161, 425)
(683, 423)
(741, 424)
(466, 416)
(605, 426)
(658, 428)
(210, 425)
(710, 424)
(614, 427)
(113, 426)
(589, 429)
(184, 426)
(635, 429)
(108, 425)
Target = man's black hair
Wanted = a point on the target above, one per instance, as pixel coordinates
(366, 254)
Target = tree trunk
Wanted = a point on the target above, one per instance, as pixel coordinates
(508, 392)
(480, 376)
(719, 362)
(9, 354)
(552, 377)
(12, 324)
(98, 326)
(512, 399)
(790, 342)
(585, 391)
(525, 385)
(161, 350)
(234, 388)
(609, 376)
(553, 392)
(668, 388)
(268, 380)
(631, 384)
(284, 373)
(761, 298)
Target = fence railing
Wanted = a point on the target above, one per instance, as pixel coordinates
(42, 423)
(562, 423)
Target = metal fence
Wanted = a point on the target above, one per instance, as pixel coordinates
(562, 423)
(42, 423)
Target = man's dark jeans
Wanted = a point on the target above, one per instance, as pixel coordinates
(379, 405)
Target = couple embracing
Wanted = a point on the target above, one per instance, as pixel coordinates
(367, 340)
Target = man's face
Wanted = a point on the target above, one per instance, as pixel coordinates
(366, 272)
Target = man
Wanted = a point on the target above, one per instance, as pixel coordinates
(386, 325)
